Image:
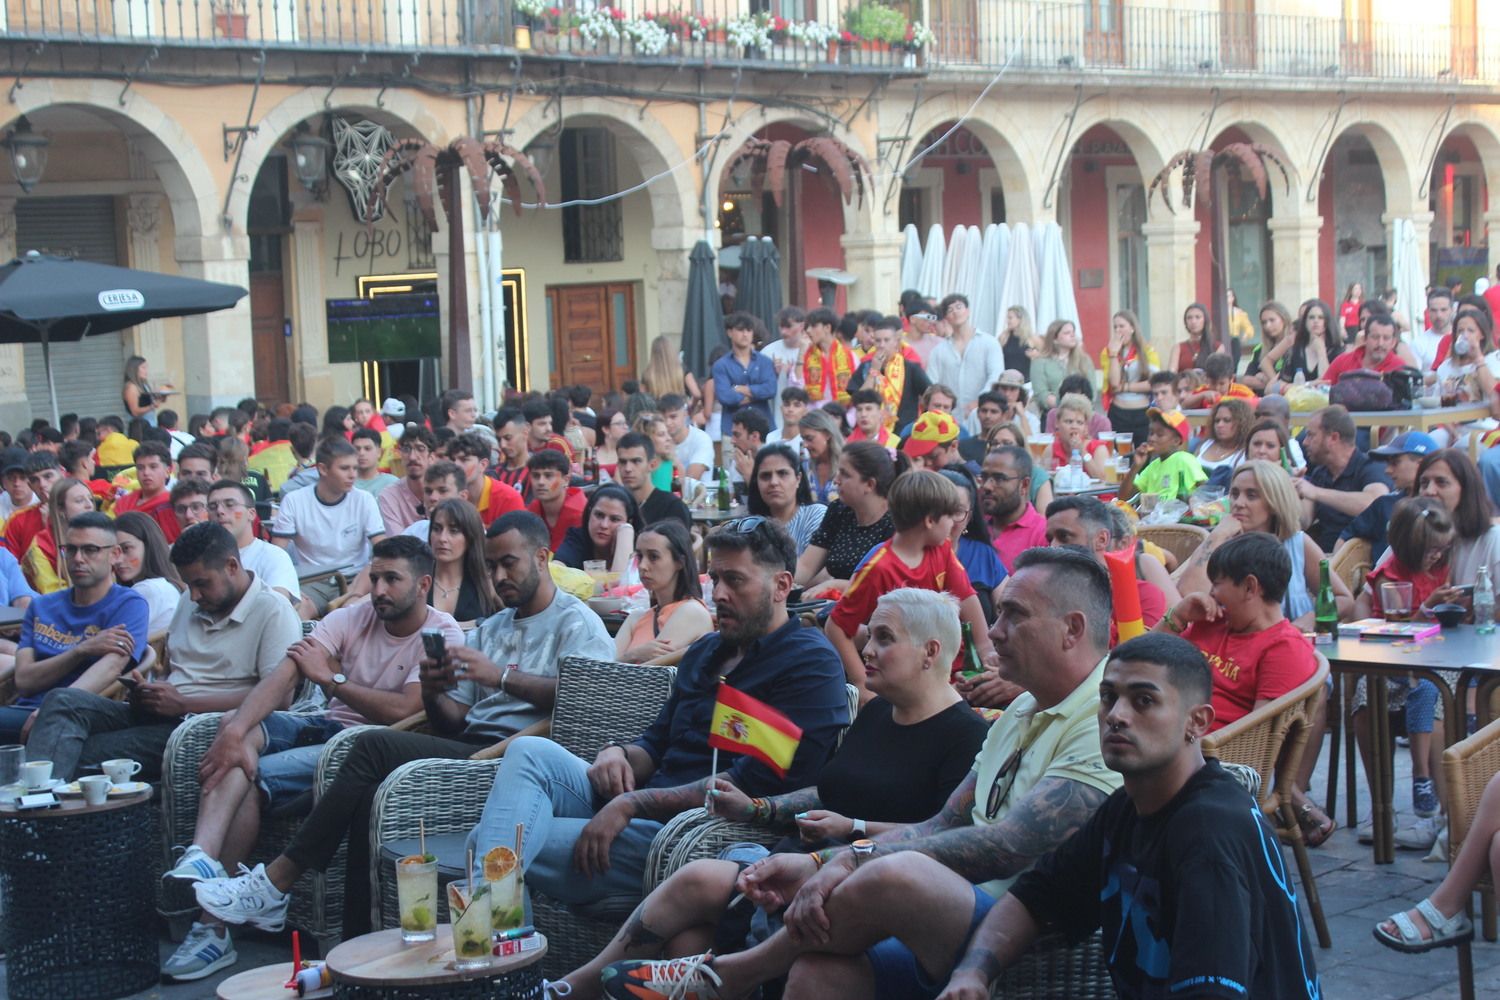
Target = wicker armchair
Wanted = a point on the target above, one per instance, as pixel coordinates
(1271, 740)
(1468, 766)
(1182, 540)
(318, 897)
(597, 701)
(1352, 563)
(1052, 969)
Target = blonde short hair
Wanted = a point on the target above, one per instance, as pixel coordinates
(927, 615)
(1078, 403)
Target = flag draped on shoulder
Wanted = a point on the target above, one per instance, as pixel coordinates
(741, 724)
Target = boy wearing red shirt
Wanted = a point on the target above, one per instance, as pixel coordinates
(490, 497)
(1219, 370)
(42, 472)
(1256, 654)
(869, 420)
(559, 505)
(923, 505)
(153, 470)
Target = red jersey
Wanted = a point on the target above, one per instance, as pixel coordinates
(885, 438)
(1355, 360)
(24, 525)
(884, 571)
(158, 508)
(495, 498)
(1251, 666)
(571, 515)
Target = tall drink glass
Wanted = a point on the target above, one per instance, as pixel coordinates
(417, 894)
(471, 932)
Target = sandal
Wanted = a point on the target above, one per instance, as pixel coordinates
(1315, 831)
(1446, 931)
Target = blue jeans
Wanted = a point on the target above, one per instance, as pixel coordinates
(289, 759)
(547, 790)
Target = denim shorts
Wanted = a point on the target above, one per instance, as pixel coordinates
(289, 759)
(898, 974)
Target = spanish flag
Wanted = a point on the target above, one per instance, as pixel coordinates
(743, 725)
(1125, 593)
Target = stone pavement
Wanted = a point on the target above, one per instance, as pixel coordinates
(1356, 894)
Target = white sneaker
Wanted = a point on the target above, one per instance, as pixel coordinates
(248, 898)
(1421, 834)
(195, 865)
(202, 953)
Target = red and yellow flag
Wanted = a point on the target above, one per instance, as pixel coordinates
(1126, 594)
(741, 724)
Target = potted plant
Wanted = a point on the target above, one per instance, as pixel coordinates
(918, 37)
(231, 19)
(875, 25)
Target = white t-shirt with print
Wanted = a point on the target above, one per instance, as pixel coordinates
(323, 534)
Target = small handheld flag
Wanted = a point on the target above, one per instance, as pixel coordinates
(1126, 594)
(741, 724)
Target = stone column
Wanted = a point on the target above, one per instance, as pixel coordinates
(672, 244)
(1492, 241)
(312, 376)
(875, 261)
(15, 410)
(1294, 259)
(143, 216)
(1171, 277)
(217, 349)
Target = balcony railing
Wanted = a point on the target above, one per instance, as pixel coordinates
(1084, 37)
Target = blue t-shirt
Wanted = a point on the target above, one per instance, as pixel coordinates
(12, 581)
(981, 562)
(54, 624)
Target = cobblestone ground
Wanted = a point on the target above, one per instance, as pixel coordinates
(1356, 894)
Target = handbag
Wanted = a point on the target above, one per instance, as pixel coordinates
(1361, 390)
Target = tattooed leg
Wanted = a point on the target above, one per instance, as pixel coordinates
(692, 900)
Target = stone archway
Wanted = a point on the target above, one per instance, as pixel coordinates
(1375, 188)
(1464, 182)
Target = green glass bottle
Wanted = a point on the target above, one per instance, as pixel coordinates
(973, 665)
(1326, 609)
(726, 492)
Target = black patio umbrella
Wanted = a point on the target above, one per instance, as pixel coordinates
(745, 286)
(703, 319)
(45, 299)
(760, 295)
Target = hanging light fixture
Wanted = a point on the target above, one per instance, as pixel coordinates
(310, 158)
(28, 154)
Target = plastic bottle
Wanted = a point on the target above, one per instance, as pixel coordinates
(1484, 602)
(1301, 378)
(1077, 478)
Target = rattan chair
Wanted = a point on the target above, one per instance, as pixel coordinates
(1468, 766)
(1182, 540)
(597, 701)
(1052, 969)
(318, 897)
(1352, 563)
(1271, 740)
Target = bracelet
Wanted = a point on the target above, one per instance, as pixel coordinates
(504, 674)
(859, 827)
(760, 811)
(1171, 621)
(818, 858)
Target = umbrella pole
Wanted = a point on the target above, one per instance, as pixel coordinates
(51, 386)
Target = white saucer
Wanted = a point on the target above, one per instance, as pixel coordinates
(51, 786)
(129, 788)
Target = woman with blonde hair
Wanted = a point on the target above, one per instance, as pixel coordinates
(1061, 355)
(1018, 341)
(1128, 362)
(822, 444)
(1275, 326)
(43, 563)
(233, 456)
(664, 376)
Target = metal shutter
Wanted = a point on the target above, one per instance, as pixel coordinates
(88, 373)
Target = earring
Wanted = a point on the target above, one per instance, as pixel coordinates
(1191, 738)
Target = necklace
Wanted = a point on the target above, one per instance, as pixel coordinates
(445, 592)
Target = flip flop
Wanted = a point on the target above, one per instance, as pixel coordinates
(1315, 833)
(1446, 931)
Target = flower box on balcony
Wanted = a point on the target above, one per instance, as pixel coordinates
(231, 24)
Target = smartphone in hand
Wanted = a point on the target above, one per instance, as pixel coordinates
(435, 644)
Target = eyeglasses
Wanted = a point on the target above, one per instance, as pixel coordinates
(996, 477)
(226, 506)
(743, 525)
(1005, 779)
(88, 551)
(190, 508)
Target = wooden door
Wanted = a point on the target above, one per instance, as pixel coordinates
(1358, 31)
(956, 25)
(593, 334)
(268, 336)
(1237, 34)
(1104, 32)
(1465, 39)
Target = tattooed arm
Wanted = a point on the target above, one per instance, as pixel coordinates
(784, 808)
(1036, 824)
(1004, 934)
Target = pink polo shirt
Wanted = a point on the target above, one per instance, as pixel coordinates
(1013, 539)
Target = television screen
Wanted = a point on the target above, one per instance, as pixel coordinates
(384, 328)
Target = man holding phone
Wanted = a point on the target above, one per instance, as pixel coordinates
(500, 680)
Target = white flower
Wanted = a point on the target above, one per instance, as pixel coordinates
(650, 38)
(597, 25)
(812, 34)
(748, 32)
(531, 8)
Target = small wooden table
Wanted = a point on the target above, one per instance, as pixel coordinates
(713, 515)
(380, 965)
(265, 983)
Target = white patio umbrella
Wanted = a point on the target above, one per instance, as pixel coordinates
(933, 255)
(911, 258)
(1409, 272)
(1054, 299)
(973, 267)
(984, 304)
(1019, 286)
(954, 264)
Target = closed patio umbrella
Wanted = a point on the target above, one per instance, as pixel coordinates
(703, 317)
(911, 258)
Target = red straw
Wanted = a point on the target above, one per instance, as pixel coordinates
(291, 984)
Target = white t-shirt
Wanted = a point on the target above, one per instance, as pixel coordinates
(698, 449)
(329, 534)
(1425, 346)
(162, 598)
(419, 529)
(794, 442)
(271, 564)
(781, 354)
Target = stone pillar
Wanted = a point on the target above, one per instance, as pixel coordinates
(1294, 260)
(143, 216)
(875, 261)
(1492, 241)
(312, 376)
(217, 347)
(15, 410)
(672, 244)
(1171, 277)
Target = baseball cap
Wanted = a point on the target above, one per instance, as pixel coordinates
(1410, 443)
(12, 460)
(1173, 419)
(393, 407)
(930, 430)
(1011, 377)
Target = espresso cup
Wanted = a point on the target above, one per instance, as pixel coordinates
(36, 773)
(95, 789)
(121, 769)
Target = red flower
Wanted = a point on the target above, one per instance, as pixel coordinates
(846, 36)
(554, 11)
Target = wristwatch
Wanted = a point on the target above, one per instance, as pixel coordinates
(862, 849)
(339, 680)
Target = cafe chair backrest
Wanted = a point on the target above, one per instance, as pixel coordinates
(599, 701)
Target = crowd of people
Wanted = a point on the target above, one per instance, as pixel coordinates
(1011, 760)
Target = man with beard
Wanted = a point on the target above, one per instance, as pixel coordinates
(1004, 496)
(589, 827)
(365, 659)
(503, 680)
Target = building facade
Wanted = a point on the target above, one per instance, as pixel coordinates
(178, 140)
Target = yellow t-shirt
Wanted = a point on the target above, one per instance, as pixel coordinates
(1057, 742)
(116, 450)
(276, 463)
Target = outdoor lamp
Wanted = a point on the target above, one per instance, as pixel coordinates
(28, 154)
(310, 158)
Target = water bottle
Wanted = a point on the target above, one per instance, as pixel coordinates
(1301, 378)
(1077, 477)
(1484, 602)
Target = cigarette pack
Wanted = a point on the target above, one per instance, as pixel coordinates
(520, 946)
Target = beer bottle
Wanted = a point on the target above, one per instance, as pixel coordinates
(726, 492)
(1326, 609)
(591, 467)
(973, 666)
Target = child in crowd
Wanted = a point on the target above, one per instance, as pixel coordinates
(794, 403)
(1219, 384)
(1163, 465)
(923, 507)
(869, 419)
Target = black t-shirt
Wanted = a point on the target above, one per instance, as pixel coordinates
(1195, 900)
(661, 505)
(846, 541)
(1359, 473)
(1014, 353)
(900, 774)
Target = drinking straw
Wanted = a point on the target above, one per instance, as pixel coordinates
(520, 831)
(291, 983)
(422, 838)
(471, 874)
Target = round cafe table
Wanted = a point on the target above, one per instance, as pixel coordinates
(78, 890)
(380, 966)
(265, 983)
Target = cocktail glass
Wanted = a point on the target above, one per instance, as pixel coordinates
(471, 932)
(417, 893)
(507, 902)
